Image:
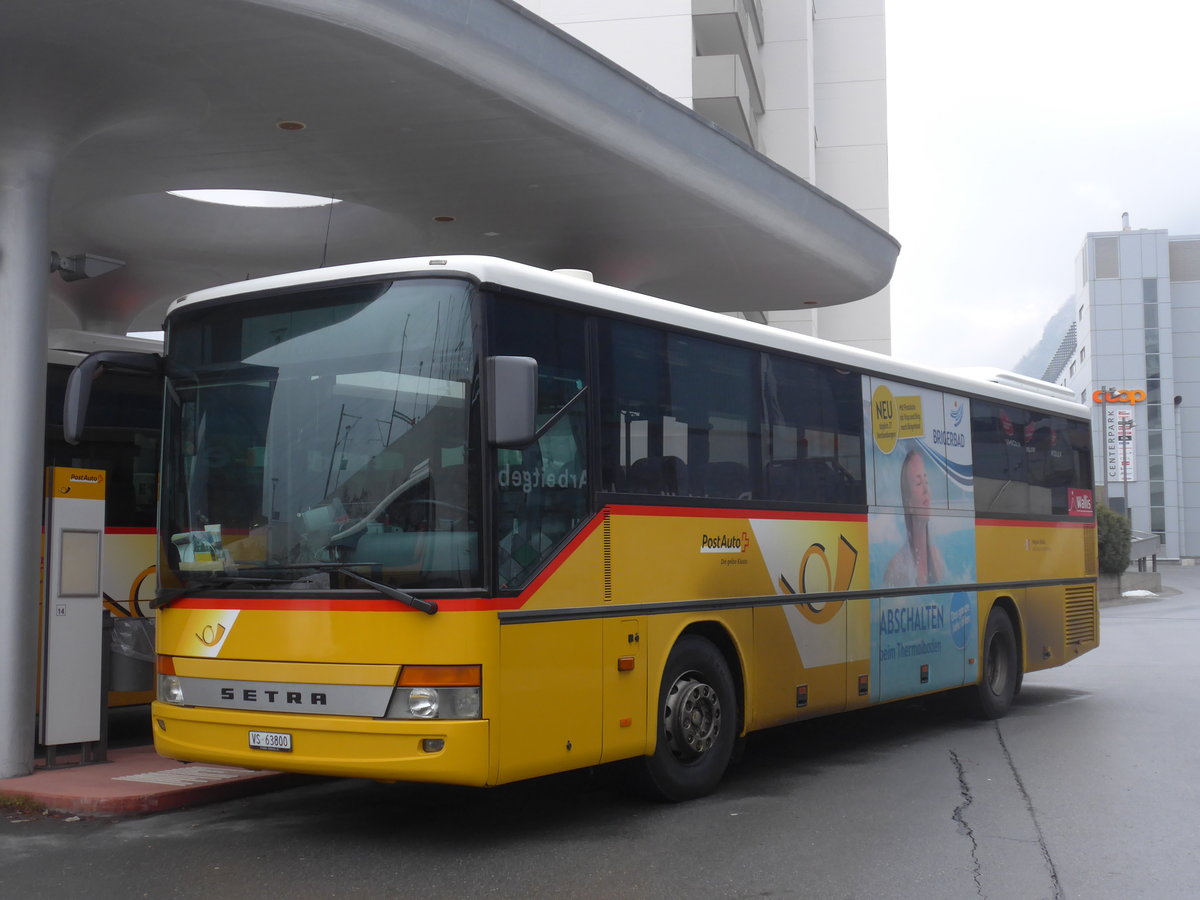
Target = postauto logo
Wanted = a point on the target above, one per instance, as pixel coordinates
(725, 543)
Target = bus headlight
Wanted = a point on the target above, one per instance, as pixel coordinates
(437, 692)
(169, 689)
(423, 702)
(466, 703)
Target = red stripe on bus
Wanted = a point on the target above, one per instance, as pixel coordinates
(122, 529)
(312, 604)
(1025, 523)
(697, 512)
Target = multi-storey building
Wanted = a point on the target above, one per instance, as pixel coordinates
(1131, 353)
(802, 82)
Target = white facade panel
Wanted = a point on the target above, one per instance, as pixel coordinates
(1131, 255)
(1133, 363)
(568, 11)
(786, 20)
(1110, 367)
(1185, 294)
(1189, 417)
(787, 75)
(785, 135)
(1133, 319)
(1186, 321)
(880, 216)
(1166, 367)
(1187, 369)
(1149, 250)
(1106, 291)
(657, 50)
(855, 175)
(849, 49)
(864, 324)
(1191, 502)
(834, 9)
(851, 113)
(797, 320)
(1166, 318)
(1106, 318)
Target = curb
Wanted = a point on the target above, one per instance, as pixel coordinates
(137, 781)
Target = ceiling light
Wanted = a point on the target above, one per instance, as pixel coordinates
(255, 199)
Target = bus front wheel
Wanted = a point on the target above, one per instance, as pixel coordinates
(697, 723)
(993, 695)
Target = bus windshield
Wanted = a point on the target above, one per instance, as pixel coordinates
(325, 428)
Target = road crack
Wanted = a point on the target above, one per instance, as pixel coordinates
(1041, 839)
(964, 827)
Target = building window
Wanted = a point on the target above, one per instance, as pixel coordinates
(1107, 258)
(1082, 353)
(1072, 369)
(1081, 313)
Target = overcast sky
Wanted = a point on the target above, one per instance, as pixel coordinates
(1013, 130)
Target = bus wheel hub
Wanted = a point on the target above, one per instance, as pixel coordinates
(692, 716)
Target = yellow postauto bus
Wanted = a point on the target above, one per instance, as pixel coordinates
(461, 520)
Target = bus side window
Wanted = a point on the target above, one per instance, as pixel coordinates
(813, 433)
(678, 415)
(541, 491)
(1000, 457)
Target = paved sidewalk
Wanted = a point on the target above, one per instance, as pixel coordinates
(136, 781)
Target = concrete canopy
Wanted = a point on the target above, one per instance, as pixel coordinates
(524, 143)
(540, 150)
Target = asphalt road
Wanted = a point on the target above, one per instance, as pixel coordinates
(1086, 790)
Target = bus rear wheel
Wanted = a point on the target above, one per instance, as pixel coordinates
(697, 723)
(993, 695)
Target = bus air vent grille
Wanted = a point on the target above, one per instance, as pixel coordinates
(1081, 613)
(606, 528)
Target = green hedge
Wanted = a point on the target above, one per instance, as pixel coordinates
(1113, 534)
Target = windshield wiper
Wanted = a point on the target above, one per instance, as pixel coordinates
(190, 588)
(425, 606)
(418, 603)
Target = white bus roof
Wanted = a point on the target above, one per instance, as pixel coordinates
(70, 346)
(570, 288)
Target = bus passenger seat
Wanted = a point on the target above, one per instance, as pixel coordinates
(658, 475)
(612, 478)
(727, 479)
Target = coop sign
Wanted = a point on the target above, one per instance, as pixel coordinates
(1118, 396)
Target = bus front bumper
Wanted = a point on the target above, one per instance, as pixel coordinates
(442, 751)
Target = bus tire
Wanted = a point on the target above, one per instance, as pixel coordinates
(697, 723)
(1000, 670)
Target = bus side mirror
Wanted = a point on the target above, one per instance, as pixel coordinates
(512, 400)
(79, 384)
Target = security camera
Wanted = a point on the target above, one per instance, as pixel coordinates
(83, 265)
